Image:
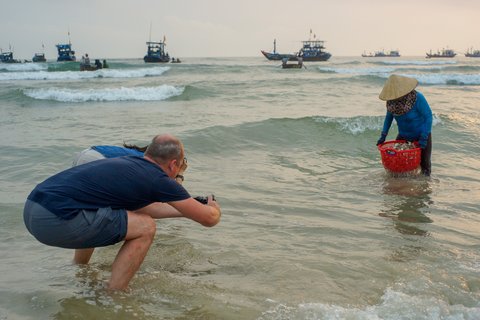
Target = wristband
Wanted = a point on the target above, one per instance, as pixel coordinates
(179, 176)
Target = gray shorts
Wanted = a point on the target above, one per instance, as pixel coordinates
(88, 229)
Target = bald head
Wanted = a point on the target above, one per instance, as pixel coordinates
(164, 148)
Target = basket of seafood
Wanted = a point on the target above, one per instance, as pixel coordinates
(400, 155)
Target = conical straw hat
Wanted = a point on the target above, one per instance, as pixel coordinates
(396, 87)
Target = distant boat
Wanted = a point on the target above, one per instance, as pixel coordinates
(156, 52)
(278, 56)
(472, 53)
(39, 57)
(377, 54)
(313, 50)
(444, 53)
(7, 57)
(292, 65)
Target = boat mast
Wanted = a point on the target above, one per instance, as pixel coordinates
(150, 33)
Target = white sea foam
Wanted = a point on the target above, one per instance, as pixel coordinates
(77, 75)
(359, 71)
(361, 124)
(158, 93)
(392, 307)
(23, 67)
(418, 62)
(423, 78)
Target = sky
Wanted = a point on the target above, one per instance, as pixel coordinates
(225, 28)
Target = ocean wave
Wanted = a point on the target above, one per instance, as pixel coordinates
(306, 132)
(77, 75)
(358, 71)
(392, 306)
(22, 67)
(159, 93)
(447, 79)
(415, 62)
(423, 77)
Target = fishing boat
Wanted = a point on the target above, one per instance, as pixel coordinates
(65, 52)
(313, 50)
(292, 66)
(377, 54)
(39, 57)
(278, 56)
(156, 52)
(444, 53)
(86, 66)
(472, 53)
(286, 65)
(7, 57)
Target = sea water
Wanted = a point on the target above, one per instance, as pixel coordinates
(312, 226)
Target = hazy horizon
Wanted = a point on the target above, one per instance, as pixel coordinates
(213, 28)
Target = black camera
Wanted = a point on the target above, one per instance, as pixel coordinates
(204, 199)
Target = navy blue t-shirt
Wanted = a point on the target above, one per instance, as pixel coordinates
(129, 182)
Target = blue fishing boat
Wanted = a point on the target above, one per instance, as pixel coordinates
(7, 57)
(156, 52)
(65, 52)
(278, 56)
(313, 50)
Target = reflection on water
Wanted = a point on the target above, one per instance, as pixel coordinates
(407, 201)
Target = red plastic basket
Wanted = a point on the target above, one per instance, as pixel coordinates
(399, 160)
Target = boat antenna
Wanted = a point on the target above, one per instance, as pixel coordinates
(69, 42)
(150, 33)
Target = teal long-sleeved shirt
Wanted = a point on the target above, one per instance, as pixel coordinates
(416, 124)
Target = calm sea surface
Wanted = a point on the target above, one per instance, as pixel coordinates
(312, 227)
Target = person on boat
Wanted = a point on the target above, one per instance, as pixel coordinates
(83, 60)
(104, 202)
(105, 65)
(87, 60)
(412, 113)
(284, 61)
(300, 61)
(98, 64)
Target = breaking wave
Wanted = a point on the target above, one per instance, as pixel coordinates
(76, 75)
(158, 93)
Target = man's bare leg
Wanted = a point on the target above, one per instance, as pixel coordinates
(140, 233)
(82, 256)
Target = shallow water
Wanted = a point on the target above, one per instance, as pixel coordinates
(312, 227)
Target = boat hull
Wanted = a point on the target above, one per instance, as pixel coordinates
(89, 67)
(324, 56)
(430, 56)
(279, 56)
(292, 66)
(70, 58)
(150, 59)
